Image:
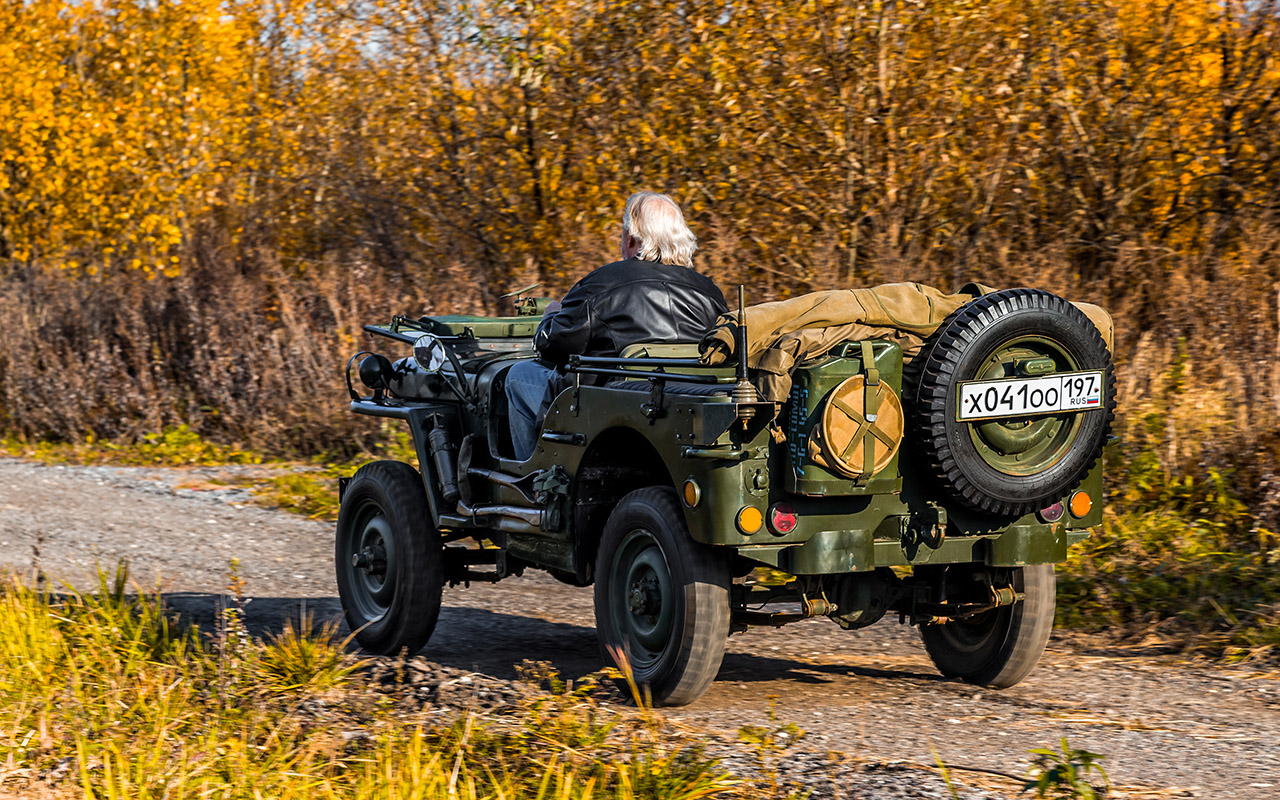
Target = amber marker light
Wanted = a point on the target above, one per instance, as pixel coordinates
(1081, 504)
(782, 519)
(750, 519)
(692, 493)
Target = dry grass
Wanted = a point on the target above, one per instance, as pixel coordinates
(252, 358)
(249, 361)
(102, 696)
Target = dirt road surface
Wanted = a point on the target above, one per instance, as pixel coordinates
(870, 697)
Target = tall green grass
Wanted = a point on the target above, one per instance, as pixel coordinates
(102, 696)
(1179, 559)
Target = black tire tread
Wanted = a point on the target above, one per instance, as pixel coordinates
(933, 373)
(706, 590)
(1029, 626)
(419, 570)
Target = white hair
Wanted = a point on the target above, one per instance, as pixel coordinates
(656, 222)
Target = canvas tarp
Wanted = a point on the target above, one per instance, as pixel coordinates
(785, 332)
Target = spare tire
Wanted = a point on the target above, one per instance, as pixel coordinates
(1004, 347)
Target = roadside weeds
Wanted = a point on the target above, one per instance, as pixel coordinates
(105, 694)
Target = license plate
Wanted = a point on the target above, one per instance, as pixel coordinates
(1021, 397)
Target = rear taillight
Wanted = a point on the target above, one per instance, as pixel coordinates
(782, 519)
(1052, 513)
(749, 519)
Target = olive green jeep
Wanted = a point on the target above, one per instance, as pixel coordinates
(943, 492)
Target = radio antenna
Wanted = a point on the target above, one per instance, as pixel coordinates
(743, 391)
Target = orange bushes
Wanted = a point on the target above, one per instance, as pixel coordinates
(117, 123)
(311, 162)
(825, 140)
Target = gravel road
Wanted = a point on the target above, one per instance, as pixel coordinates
(872, 706)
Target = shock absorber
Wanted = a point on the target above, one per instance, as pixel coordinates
(441, 445)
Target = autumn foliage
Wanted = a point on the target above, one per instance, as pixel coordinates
(201, 200)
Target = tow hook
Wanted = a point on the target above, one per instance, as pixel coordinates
(928, 527)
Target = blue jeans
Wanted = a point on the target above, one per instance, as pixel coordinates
(530, 389)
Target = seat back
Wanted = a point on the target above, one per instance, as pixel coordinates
(660, 350)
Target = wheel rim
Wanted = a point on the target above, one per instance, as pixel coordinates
(978, 634)
(369, 561)
(642, 599)
(1029, 445)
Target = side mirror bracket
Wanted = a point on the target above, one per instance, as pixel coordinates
(429, 353)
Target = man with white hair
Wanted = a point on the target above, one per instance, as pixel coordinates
(651, 295)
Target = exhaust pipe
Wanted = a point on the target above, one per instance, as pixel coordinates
(531, 516)
(523, 485)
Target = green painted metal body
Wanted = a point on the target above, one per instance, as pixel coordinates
(609, 440)
(812, 383)
(483, 327)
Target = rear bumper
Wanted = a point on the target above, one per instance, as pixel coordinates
(858, 533)
(832, 552)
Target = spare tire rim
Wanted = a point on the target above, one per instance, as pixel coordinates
(642, 600)
(370, 562)
(1026, 445)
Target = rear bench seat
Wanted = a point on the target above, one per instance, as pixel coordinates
(670, 387)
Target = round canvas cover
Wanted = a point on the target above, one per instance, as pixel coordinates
(841, 440)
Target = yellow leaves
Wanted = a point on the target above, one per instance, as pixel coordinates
(97, 114)
(125, 122)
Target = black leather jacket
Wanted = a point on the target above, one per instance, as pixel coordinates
(627, 302)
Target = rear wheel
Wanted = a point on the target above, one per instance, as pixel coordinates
(387, 557)
(661, 598)
(998, 648)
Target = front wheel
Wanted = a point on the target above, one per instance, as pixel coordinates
(998, 648)
(387, 556)
(661, 598)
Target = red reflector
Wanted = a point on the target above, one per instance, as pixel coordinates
(783, 519)
(1053, 513)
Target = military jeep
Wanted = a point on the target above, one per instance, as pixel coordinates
(942, 491)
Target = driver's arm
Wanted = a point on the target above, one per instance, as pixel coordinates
(566, 332)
